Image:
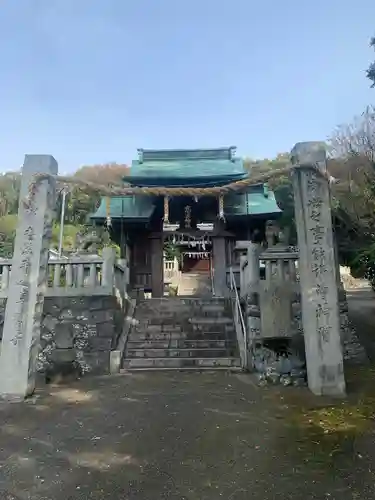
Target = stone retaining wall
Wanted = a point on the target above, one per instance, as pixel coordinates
(252, 314)
(79, 329)
(266, 359)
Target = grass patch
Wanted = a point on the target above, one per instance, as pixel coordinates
(328, 433)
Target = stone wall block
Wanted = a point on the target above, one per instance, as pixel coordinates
(101, 316)
(102, 303)
(99, 344)
(66, 314)
(49, 322)
(80, 329)
(64, 336)
(59, 356)
(51, 308)
(105, 329)
(97, 362)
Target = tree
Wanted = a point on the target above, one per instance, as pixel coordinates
(9, 192)
(353, 162)
(107, 174)
(371, 70)
(79, 204)
(8, 225)
(282, 187)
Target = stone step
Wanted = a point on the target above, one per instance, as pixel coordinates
(180, 322)
(181, 299)
(193, 336)
(184, 327)
(180, 353)
(181, 315)
(185, 310)
(180, 363)
(181, 344)
(187, 326)
(177, 333)
(203, 320)
(160, 326)
(182, 369)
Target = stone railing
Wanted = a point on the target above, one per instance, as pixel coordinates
(280, 265)
(171, 270)
(268, 286)
(121, 277)
(87, 312)
(235, 270)
(239, 322)
(270, 289)
(78, 276)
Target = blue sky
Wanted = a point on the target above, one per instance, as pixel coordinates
(89, 81)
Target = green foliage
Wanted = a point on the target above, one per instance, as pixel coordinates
(9, 193)
(353, 198)
(69, 235)
(79, 205)
(371, 70)
(363, 264)
(171, 251)
(282, 187)
(353, 164)
(8, 225)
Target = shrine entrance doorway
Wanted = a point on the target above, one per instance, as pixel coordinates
(196, 262)
(194, 248)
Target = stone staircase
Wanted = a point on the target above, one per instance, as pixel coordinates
(195, 284)
(182, 333)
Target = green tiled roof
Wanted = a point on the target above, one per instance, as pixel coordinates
(193, 167)
(185, 181)
(140, 208)
(226, 153)
(186, 167)
(126, 207)
(256, 201)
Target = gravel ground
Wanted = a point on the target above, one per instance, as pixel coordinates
(187, 436)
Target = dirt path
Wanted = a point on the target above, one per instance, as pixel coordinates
(362, 314)
(184, 436)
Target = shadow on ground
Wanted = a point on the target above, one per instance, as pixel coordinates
(188, 436)
(362, 315)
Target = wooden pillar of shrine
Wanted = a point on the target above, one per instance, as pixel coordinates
(140, 260)
(157, 268)
(219, 265)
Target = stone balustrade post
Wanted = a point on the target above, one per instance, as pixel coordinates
(253, 278)
(253, 270)
(317, 267)
(28, 280)
(109, 258)
(243, 275)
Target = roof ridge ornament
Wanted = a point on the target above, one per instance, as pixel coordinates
(140, 155)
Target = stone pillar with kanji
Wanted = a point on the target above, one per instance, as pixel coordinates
(28, 279)
(318, 270)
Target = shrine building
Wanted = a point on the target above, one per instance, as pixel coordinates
(205, 229)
